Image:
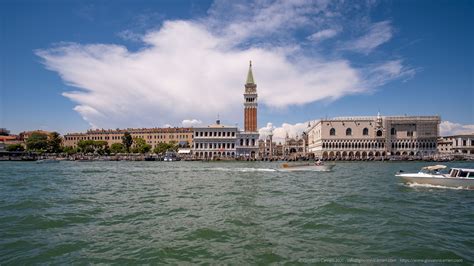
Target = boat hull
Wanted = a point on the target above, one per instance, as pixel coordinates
(440, 181)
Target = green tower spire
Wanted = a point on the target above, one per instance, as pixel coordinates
(250, 75)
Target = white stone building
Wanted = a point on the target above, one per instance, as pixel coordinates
(373, 137)
(215, 141)
(462, 145)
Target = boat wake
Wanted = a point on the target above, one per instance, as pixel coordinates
(416, 185)
(244, 169)
(304, 170)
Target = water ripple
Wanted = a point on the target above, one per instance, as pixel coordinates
(225, 213)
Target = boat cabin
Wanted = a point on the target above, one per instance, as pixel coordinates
(461, 172)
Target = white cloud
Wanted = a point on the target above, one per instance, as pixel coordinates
(323, 35)
(448, 128)
(279, 133)
(378, 74)
(378, 34)
(130, 35)
(239, 20)
(184, 71)
(195, 69)
(266, 130)
(191, 123)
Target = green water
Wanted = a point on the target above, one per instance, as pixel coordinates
(235, 212)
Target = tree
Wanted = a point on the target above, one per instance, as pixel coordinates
(127, 141)
(173, 146)
(90, 146)
(15, 147)
(86, 146)
(54, 143)
(163, 147)
(117, 148)
(37, 142)
(69, 150)
(140, 146)
(101, 147)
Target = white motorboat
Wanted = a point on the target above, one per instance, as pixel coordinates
(432, 175)
(317, 166)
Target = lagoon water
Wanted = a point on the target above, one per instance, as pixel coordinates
(228, 212)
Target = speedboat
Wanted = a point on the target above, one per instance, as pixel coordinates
(316, 166)
(432, 175)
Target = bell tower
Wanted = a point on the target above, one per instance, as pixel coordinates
(250, 103)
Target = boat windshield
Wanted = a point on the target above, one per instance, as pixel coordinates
(463, 173)
(433, 169)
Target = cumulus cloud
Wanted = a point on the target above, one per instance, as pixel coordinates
(448, 128)
(378, 34)
(280, 133)
(266, 130)
(191, 123)
(196, 68)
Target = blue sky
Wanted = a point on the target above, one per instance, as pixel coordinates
(72, 65)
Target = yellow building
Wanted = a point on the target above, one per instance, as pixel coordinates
(152, 136)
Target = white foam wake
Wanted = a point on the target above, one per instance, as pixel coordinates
(433, 186)
(244, 169)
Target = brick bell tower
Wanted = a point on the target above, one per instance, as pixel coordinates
(250, 103)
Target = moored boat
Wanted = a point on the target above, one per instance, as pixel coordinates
(170, 156)
(432, 175)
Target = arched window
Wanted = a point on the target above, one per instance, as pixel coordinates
(393, 131)
(348, 132)
(379, 133)
(332, 132)
(365, 132)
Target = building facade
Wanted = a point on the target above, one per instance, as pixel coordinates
(152, 136)
(266, 147)
(296, 147)
(26, 134)
(373, 136)
(457, 145)
(215, 141)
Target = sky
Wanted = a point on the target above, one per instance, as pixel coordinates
(69, 66)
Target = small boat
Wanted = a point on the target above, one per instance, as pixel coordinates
(150, 158)
(432, 175)
(316, 166)
(170, 156)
